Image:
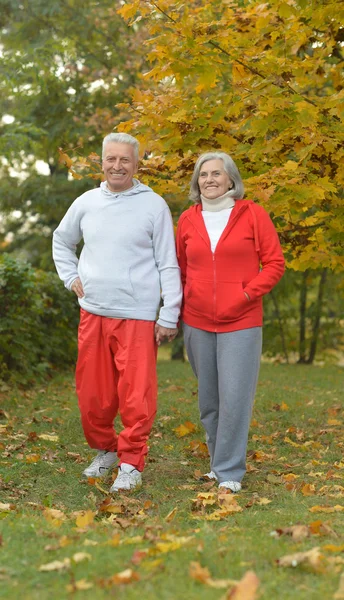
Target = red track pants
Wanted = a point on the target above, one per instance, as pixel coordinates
(116, 372)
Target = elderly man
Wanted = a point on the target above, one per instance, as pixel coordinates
(127, 264)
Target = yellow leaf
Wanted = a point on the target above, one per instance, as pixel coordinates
(202, 574)
(333, 548)
(171, 515)
(49, 437)
(327, 509)
(54, 516)
(284, 406)
(185, 429)
(32, 458)
(308, 489)
(85, 519)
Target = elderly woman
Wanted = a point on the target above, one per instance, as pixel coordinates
(230, 256)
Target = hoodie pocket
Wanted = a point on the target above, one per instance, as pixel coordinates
(231, 302)
(199, 297)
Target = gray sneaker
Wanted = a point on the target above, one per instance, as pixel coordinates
(128, 478)
(101, 465)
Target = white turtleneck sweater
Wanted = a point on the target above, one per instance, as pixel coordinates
(216, 213)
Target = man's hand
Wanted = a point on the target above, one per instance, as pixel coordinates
(77, 288)
(164, 332)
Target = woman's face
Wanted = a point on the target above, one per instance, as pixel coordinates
(213, 180)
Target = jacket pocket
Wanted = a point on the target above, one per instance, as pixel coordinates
(231, 302)
(199, 297)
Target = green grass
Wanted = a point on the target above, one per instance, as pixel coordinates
(297, 430)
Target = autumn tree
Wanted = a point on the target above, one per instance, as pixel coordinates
(264, 83)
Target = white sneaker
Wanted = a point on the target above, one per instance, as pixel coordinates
(128, 478)
(208, 476)
(101, 465)
(234, 486)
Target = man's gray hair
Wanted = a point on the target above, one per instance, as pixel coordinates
(122, 138)
(237, 191)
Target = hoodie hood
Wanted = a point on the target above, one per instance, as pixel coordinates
(137, 188)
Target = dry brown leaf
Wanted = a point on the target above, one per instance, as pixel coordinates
(125, 577)
(297, 532)
(245, 589)
(312, 557)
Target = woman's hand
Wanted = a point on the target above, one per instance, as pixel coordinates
(77, 288)
(164, 332)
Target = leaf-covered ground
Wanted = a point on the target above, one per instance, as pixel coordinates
(281, 537)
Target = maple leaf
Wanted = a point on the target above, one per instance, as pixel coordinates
(84, 519)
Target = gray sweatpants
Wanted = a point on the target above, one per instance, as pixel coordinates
(226, 366)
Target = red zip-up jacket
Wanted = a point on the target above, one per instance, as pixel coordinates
(248, 258)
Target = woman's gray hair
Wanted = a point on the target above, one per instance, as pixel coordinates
(122, 138)
(236, 192)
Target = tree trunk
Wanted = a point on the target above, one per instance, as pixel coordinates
(303, 310)
(317, 317)
(280, 323)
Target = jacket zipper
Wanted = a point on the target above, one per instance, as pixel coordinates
(214, 296)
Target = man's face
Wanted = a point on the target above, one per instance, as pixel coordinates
(119, 166)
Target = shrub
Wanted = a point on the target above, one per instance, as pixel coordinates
(38, 322)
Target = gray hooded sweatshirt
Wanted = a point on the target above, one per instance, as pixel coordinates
(128, 261)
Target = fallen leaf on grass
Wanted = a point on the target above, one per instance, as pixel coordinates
(184, 429)
(6, 507)
(56, 565)
(124, 577)
(171, 515)
(320, 528)
(333, 548)
(308, 489)
(32, 458)
(290, 477)
(198, 449)
(170, 546)
(297, 532)
(202, 574)
(80, 585)
(339, 595)
(245, 589)
(327, 509)
(81, 556)
(312, 557)
(108, 506)
(49, 437)
(54, 516)
(84, 519)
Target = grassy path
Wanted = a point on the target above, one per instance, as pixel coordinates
(175, 538)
